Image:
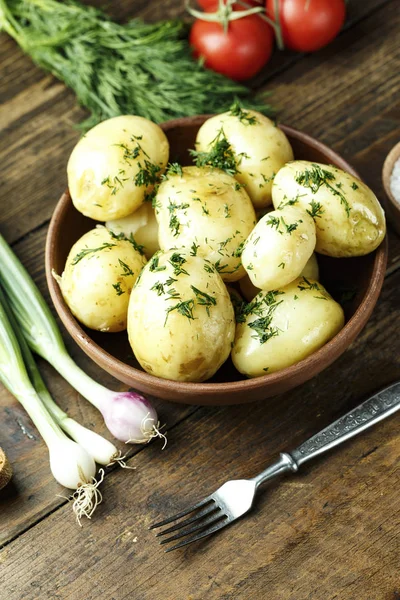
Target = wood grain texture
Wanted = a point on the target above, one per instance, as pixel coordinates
(332, 532)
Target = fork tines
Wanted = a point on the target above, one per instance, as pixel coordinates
(207, 518)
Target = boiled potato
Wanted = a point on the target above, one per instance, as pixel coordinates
(142, 224)
(348, 217)
(209, 213)
(114, 165)
(180, 320)
(280, 328)
(249, 291)
(260, 149)
(311, 270)
(98, 278)
(278, 248)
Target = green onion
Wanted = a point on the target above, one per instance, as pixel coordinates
(129, 416)
(71, 465)
(102, 451)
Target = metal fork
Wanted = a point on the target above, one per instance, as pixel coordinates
(235, 498)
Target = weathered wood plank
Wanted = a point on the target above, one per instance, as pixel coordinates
(330, 532)
(38, 114)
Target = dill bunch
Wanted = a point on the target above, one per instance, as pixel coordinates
(133, 68)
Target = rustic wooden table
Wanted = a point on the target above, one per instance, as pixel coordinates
(332, 532)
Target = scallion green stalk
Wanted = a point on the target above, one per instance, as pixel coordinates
(71, 465)
(102, 451)
(129, 416)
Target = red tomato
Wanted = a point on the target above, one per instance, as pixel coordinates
(308, 25)
(240, 53)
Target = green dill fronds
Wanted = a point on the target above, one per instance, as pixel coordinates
(176, 261)
(130, 239)
(273, 222)
(158, 288)
(117, 288)
(263, 330)
(315, 177)
(316, 209)
(148, 174)
(135, 68)
(173, 169)
(153, 264)
(184, 308)
(219, 156)
(264, 308)
(126, 269)
(243, 115)
(305, 284)
(239, 250)
(174, 225)
(88, 251)
(204, 299)
(193, 249)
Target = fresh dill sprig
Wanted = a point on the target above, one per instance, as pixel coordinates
(130, 239)
(176, 261)
(219, 156)
(193, 249)
(135, 68)
(305, 284)
(87, 251)
(243, 115)
(184, 308)
(173, 169)
(264, 308)
(154, 266)
(117, 287)
(204, 299)
(316, 177)
(126, 268)
(316, 209)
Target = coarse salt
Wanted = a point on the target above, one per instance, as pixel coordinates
(395, 181)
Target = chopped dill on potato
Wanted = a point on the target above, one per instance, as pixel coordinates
(315, 177)
(87, 251)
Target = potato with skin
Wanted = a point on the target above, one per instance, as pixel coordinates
(260, 149)
(114, 165)
(142, 224)
(98, 278)
(310, 271)
(180, 320)
(280, 328)
(348, 217)
(278, 248)
(209, 213)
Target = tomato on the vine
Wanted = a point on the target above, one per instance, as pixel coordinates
(308, 25)
(212, 5)
(240, 52)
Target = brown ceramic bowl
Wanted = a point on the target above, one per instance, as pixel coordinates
(360, 279)
(392, 207)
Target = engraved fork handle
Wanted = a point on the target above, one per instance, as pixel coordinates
(371, 411)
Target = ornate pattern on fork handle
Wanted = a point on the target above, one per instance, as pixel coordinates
(371, 411)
